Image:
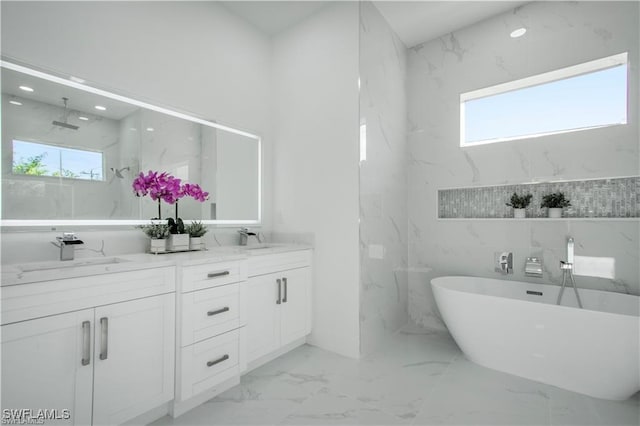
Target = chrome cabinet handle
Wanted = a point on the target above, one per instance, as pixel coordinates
(86, 343)
(279, 301)
(284, 299)
(217, 361)
(217, 274)
(104, 338)
(218, 311)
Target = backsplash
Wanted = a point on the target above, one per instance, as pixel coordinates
(594, 198)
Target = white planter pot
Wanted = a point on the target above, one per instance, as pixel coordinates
(555, 213)
(519, 213)
(196, 243)
(157, 245)
(178, 242)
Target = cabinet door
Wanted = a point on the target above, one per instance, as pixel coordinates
(134, 351)
(295, 307)
(47, 363)
(263, 316)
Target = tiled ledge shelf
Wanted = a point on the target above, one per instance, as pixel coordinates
(594, 199)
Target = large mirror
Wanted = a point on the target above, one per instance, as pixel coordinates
(70, 154)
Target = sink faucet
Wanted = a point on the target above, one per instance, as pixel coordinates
(67, 244)
(245, 233)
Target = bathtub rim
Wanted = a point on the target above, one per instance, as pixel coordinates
(553, 287)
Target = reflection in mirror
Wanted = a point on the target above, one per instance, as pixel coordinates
(71, 152)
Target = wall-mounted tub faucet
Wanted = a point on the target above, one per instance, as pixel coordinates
(533, 267)
(67, 244)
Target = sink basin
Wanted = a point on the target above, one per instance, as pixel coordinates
(32, 267)
(259, 247)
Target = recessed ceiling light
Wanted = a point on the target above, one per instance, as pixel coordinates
(26, 88)
(83, 118)
(518, 33)
(150, 129)
(100, 107)
(77, 79)
(15, 103)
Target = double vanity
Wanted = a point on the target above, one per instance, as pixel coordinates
(127, 339)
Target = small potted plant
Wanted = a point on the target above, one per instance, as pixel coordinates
(178, 238)
(196, 231)
(519, 204)
(158, 234)
(554, 202)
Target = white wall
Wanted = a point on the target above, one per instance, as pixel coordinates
(315, 76)
(193, 56)
(559, 34)
(237, 163)
(383, 180)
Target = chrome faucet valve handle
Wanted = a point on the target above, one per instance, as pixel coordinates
(504, 262)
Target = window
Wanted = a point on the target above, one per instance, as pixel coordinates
(581, 97)
(37, 159)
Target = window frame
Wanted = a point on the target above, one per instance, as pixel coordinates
(540, 79)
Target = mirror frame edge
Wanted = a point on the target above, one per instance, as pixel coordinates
(49, 224)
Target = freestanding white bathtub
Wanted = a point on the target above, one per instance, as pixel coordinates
(517, 328)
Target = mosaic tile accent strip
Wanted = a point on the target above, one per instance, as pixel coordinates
(598, 198)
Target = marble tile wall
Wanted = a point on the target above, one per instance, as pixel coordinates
(559, 34)
(383, 181)
(613, 198)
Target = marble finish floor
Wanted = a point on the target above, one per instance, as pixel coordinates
(420, 377)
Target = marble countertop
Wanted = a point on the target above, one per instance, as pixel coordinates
(31, 272)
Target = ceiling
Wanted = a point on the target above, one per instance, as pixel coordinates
(272, 17)
(415, 22)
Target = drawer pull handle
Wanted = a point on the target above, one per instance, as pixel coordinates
(279, 282)
(86, 343)
(284, 299)
(104, 338)
(218, 311)
(217, 361)
(217, 274)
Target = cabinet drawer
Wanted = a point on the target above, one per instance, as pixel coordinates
(210, 362)
(212, 275)
(268, 263)
(207, 313)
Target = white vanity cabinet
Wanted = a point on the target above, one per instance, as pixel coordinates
(44, 365)
(278, 303)
(211, 344)
(105, 363)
